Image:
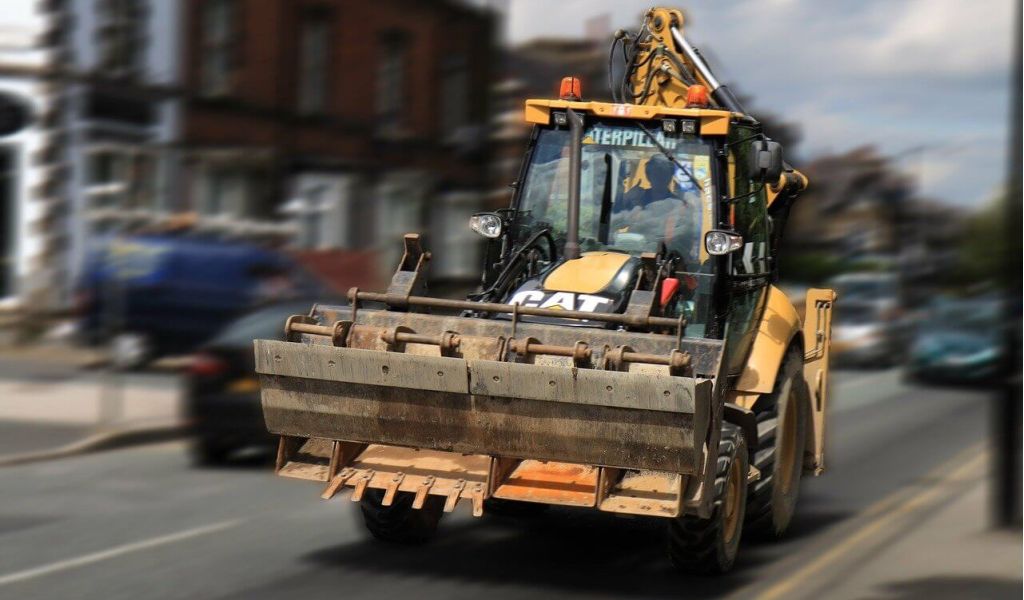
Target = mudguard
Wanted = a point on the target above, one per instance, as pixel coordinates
(779, 326)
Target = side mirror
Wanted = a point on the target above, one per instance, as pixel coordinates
(766, 161)
(486, 224)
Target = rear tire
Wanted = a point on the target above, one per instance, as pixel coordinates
(400, 523)
(781, 437)
(709, 546)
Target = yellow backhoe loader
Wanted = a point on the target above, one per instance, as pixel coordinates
(627, 351)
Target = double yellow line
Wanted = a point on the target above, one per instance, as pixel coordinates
(883, 514)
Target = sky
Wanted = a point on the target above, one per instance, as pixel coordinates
(925, 81)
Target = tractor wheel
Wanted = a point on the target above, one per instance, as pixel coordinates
(709, 546)
(400, 523)
(782, 434)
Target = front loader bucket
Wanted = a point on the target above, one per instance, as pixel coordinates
(473, 408)
(636, 420)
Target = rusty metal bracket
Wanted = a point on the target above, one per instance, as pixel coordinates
(644, 300)
(410, 276)
(678, 362)
(680, 330)
(296, 325)
(580, 352)
(398, 336)
(353, 300)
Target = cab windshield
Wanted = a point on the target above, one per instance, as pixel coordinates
(632, 197)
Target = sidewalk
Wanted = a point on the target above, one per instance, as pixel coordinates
(933, 541)
(952, 554)
(50, 400)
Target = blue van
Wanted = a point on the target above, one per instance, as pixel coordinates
(157, 294)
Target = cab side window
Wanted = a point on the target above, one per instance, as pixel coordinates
(747, 212)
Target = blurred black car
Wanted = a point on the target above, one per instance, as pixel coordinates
(959, 342)
(222, 392)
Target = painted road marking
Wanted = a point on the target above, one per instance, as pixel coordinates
(888, 510)
(88, 559)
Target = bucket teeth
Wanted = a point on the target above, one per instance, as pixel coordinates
(453, 496)
(392, 489)
(422, 491)
(478, 500)
(337, 483)
(361, 484)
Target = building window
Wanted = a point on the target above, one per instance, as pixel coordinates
(218, 47)
(454, 94)
(314, 61)
(121, 36)
(121, 178)
(391, 82)
(233, 191)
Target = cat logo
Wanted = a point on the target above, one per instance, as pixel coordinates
(559, 300)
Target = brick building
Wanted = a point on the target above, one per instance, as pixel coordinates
(340, 124)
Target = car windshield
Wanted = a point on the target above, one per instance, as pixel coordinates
(632, 197)
(981, 318)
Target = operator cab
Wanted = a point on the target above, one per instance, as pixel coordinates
(653, 181)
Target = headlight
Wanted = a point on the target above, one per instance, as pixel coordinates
(718, 242)
(486, 224)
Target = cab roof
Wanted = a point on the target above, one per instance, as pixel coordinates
(712, 121)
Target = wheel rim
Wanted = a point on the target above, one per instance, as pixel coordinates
(731, 505)
(786, 456)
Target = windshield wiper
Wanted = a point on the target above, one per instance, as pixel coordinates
(670, 156)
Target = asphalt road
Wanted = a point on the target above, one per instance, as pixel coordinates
(143, 522)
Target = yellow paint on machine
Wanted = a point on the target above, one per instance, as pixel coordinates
(587, 274)
(712, 121)
(776, 329)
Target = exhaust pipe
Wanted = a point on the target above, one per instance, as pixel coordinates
(721, 93)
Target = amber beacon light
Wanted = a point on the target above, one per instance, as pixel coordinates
(570, 89)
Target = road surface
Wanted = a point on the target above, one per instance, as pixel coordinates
(143, 523)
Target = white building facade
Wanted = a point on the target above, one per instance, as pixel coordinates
(33, 204)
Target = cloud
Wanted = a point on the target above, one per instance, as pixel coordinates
(938, 37)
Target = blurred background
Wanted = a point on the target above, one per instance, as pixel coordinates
(178, 176)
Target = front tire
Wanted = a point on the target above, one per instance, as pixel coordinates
(400, 523)
(782, 435)
(709, 546)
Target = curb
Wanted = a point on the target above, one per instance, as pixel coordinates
(104, 440)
